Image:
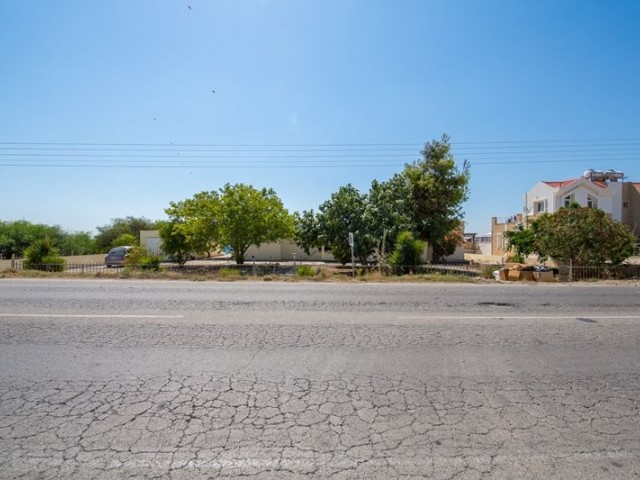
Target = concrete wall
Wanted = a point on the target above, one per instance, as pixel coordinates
(283, 251)
(498, 240)
(150, 239)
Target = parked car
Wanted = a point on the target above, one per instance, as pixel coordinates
(116, 256)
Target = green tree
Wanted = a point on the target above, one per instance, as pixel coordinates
(16, 236)
(125, 240)
(237, 216)
(582, 236)
(247, 216)
(174, 240)
(119, 226)
(407, 254)
(78, 243)
(193, 226)
(388, 212)
(307, 231)
(522, 240)
(438, 190)
(345, 212)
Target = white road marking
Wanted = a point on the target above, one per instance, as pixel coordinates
(519, 317)
(60, 315)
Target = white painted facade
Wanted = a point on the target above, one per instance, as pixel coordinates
(549, 197)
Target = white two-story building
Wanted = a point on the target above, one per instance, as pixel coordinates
(602, 190)
(605, 190)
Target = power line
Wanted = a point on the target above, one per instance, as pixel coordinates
(352, 155)
(170, 144)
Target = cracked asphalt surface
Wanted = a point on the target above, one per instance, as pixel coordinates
(182, 380)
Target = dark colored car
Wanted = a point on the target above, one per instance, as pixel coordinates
(116, 256)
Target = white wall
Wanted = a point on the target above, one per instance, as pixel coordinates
(609, 199)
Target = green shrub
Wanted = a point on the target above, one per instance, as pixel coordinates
(407, 255)
(305, 271)
(140, 258)
(53, 263)
(42, 255)
(150, 262)
(229, 274)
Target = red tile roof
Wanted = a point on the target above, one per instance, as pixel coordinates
(564, 183)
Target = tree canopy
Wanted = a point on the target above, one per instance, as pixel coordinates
(345, 212)
(120, 226)
(237, 216)
(16, 236)
(438, 190)
(582, 236)
(425, 199)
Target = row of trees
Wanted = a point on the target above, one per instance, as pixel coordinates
(574, 235)
(17, 236)
(424, 200)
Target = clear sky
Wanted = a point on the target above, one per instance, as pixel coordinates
(118, 107)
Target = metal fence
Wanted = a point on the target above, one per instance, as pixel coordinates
(568, 273)
(255, 269)
(261, 269)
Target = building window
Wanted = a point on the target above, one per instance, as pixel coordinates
(568, 200)
(592, 202)
(540, 207)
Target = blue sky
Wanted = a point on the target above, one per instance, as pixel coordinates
(309, 95)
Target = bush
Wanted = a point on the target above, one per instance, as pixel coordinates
(53, 263)
(305, 271)
(42, 255)
(407, 255)
(229, 274)
(139, 258)
(150, 262)
(487, 269)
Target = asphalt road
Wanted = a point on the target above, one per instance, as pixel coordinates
(112, 379)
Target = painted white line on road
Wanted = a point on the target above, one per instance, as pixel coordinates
(519, 317)
(60, 315)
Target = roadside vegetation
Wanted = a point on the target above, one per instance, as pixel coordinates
(388, 227)
(576, 236)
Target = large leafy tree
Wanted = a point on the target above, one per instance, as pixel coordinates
(582, 236)
(375, 219)
(237, 217)
(120, 226)
(307, 233)
(345, 212)
(438, 190)
(77, 243)
(192, 225)
(16, 236)
(247, 216)
(389, 212)
(174, 240)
